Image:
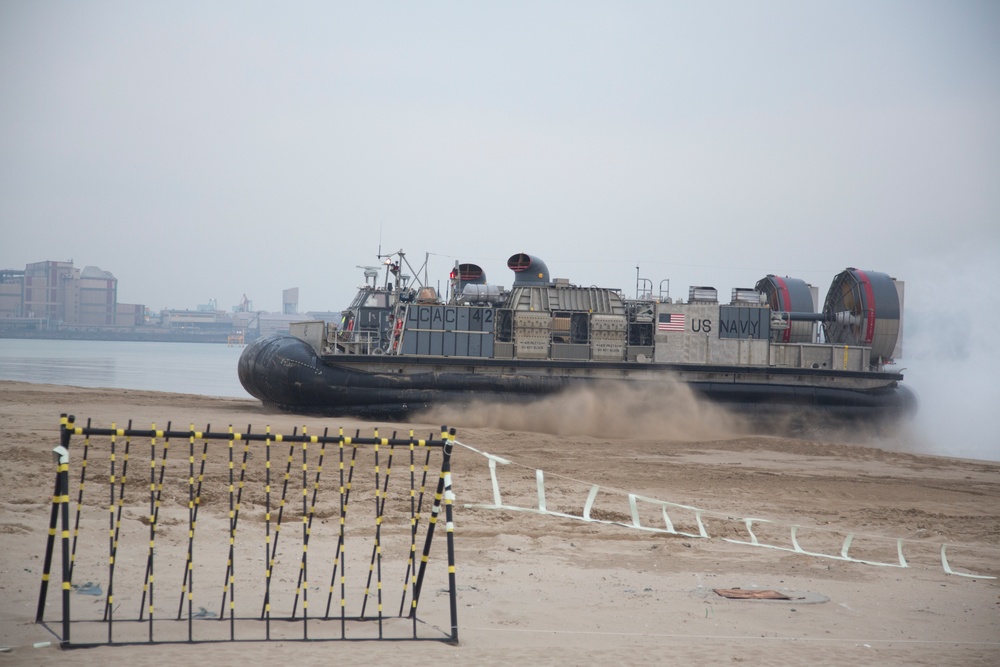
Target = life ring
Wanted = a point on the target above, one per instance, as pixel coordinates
(397, 332)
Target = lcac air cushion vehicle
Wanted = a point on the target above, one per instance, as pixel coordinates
(400, 349)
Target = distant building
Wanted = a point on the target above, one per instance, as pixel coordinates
(98, 298)
(332, 317)
(273, 323)
(52, 292)
(196, 321)
(56, 300)
(55, 294)
(243, 320)
(290, 301)
(11, 293)
(130, 315)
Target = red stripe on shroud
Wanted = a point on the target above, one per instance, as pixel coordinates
(870, 301)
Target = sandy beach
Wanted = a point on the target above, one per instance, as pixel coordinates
(577, 563)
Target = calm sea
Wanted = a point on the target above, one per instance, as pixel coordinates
(207, 369)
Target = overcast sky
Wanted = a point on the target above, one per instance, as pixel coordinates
(209, 150)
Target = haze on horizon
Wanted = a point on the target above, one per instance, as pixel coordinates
(209, 150)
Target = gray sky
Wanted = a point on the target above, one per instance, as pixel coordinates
(207, 150)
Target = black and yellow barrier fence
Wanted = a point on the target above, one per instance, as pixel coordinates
(219, 517)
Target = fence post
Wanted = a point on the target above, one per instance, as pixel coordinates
(62, 458)
(449, 497)
(53, 522)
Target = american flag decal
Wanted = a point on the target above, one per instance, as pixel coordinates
(670, 322)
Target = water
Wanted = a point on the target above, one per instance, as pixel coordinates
(207, 369)
(952, 420)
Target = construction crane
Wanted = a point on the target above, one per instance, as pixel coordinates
(245, 306)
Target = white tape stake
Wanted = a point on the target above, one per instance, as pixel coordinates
(635, 511)
(702, 531)
(540, 478)
(496, 486)
(590, 502)
(948, 570)
(701, 526)
(667, 521)
(944, 561)
(847, 545)
(795, 541)
(500, 460)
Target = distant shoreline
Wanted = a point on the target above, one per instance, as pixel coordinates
(129, 336)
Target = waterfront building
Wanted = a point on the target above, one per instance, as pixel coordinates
(98, 297)
(50, 295)
(11, 293)
(52, 292)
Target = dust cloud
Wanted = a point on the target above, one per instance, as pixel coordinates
(951, 358)
(672, 412)
(607, 410)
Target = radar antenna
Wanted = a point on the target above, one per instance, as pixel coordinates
(371, 273)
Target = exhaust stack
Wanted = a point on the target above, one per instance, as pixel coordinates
(528, 270)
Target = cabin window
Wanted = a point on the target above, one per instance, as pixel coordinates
(505, 326)
(377, 300)
(640, 333)
(369, 319)
(580, 328)
(560, 327)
